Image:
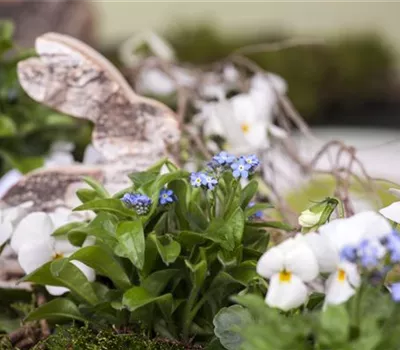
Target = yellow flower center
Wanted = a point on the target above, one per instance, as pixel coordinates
(57, 256)
(245, 128)
(285, 276)
(341, 275)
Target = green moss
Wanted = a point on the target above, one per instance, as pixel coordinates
(86, 338)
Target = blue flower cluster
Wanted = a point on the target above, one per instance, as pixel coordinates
(241, 167)
(378, 256)
(142, 203)
(203, 179)
(137, 201)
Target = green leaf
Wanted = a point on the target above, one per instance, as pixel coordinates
(248, 193)
(157, 281)
(131, 242)
(334, 325)
(22, 163)
(111, 205)
(249, 211)
(86, 195)
(198, 272)
(103, 227)
(137, 297)
(189, 239)
(197, 218)
(273, 224)
(142, 178)
(70, 277)
(180, 188)
(228, 232)
(244, 272)
(228, 322)
(104, 263)
(64, 229)
(166, 178)
(56, 309)
(76, 237)
(98, 187)
(236, 224)
(7, 126)
(57, 266)
(168, 249)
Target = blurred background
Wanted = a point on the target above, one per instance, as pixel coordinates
(344, 79)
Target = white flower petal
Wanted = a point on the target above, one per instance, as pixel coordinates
(87, 271)
(64, 247)
(155, 81)
(374, 225)
(286, 295)
(323, 250)
(57, 291)
(33, 228)
(60, 217)
(351, 231)
(341, 284)
(301, 260)
(33, 255)
(6, 230)
(392, 212)
(270, 263)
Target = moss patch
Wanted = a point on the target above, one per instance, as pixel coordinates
(86, 338)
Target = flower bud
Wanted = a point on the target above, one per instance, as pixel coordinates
(309, 219)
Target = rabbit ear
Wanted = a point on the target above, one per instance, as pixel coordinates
(50, 188)
(71, 77)
(130, 131)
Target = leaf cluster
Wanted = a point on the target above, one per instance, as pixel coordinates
(171, 270)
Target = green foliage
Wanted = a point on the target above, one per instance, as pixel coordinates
(86, 338)
(170, 270)
(369, 320)
(339, 73)
(27, 129)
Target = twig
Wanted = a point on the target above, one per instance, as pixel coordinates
(277, 46)
(41, 299)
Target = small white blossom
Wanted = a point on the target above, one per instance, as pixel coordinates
(9, 218)
(35, 246)
(246, 119)
(288, 266)
(392, 211)
(329, 244)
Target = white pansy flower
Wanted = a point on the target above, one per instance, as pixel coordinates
(336, 236)
(288, 266)
(246, 119)
(9, 218)
(392, 211)
(35, 246)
